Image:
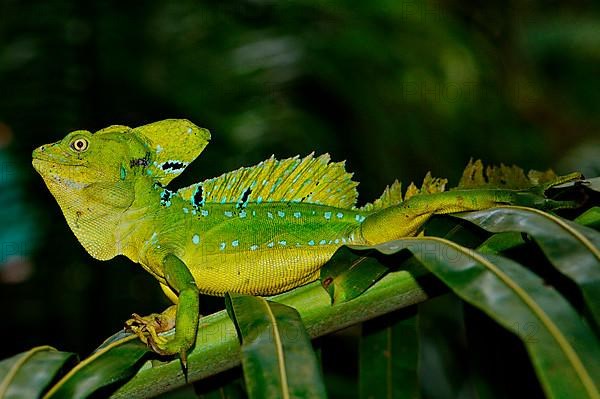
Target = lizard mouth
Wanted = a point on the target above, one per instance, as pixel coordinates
(36, 162)
(43, 160)
(49, 168)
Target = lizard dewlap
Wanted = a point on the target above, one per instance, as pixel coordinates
(257, 230)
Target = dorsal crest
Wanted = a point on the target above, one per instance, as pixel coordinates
(172, 145)
(310, 179)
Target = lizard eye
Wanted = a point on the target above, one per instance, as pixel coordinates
(80, 145)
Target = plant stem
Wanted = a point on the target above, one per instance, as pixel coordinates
(217, 347)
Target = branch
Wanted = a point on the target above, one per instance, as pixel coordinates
(217, 346)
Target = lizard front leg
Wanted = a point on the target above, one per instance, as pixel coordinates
(184, 315)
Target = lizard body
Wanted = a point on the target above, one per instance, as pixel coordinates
(257, 230)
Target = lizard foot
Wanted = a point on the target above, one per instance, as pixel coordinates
(148, 327)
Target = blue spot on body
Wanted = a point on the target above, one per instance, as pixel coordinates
(322, 242)
(254, 247)
(270, 245)
(327, 215)
(243, 214)
(269, 215)
(196, 239)
(297, 215)
(185, 210)
(337, 241)
(204, 212)
(340, 215)
(228, 214)
(359, 218)
(311, 242)
(235, 243)
(222, 246)
(259, 200)
(282, 242)
(281, 213)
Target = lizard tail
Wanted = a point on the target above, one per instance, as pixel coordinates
(406, 218)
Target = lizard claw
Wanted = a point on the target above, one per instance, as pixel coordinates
(148, 328)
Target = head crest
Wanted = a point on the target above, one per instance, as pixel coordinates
(172, 145)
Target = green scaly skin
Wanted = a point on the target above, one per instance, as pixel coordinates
(109, 186)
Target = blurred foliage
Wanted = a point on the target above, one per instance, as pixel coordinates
(395, 87)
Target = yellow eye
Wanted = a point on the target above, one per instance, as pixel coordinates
(80, 145)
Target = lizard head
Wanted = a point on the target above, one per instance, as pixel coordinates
(83, 158)
(83, 173)
(94, 176)
(159, 151)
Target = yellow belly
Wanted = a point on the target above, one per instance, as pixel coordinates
(258, 272)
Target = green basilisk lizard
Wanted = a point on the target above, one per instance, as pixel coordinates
(257, 230)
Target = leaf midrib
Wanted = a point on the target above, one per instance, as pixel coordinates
(279, 348)
(562, 342)
(569, 229)
(16, 367)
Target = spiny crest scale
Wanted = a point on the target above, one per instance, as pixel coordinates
(392, 195)
(503, 176)
(310, 179)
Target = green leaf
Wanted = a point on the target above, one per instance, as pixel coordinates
(277, 355)
(501, 242)
(348, 274)
(573, 249)
(590, 218)
(115, 360)
(28, 374)
(388, 356)
(565, 352)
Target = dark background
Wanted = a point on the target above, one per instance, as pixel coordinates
(396, 88)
